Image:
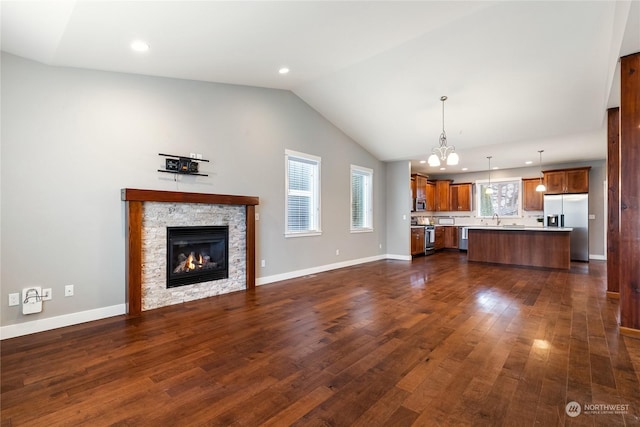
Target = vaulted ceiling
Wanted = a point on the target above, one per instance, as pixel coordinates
(520, 76)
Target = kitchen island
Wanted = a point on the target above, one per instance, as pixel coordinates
(548, 247)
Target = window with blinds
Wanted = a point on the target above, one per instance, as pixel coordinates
(361, 199)
(302, 209)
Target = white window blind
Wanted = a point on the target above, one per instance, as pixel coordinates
(361, 199)
(303, 194)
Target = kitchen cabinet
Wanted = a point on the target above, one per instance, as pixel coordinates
(418, 186)
(443, 200)
(451, 237)
(460, 197)
(430, 196)
(417, 241)
(439, 238)
(532, 200)
(446, 237)
(567, 181)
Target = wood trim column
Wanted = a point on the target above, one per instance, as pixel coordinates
(630, 195)
(613, 202)
(251, 246)
(134, 258)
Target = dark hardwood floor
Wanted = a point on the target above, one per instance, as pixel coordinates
(434, 342)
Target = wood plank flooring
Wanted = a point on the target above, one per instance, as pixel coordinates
(433, 342)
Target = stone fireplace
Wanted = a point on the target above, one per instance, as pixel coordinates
(175, 251)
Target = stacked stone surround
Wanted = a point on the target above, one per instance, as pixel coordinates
(156, 217)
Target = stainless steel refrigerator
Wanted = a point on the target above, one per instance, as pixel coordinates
(573, 211)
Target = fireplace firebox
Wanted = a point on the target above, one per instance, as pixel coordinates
(197, 254)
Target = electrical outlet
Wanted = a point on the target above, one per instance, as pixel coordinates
(68, 291)
(47, 295)
(14, 299)
(337, 251)
(263, 263)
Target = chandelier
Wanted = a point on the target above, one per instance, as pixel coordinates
(443, 151)
(541, 186)
(489, 189)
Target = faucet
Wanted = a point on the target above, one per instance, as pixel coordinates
(497, 218)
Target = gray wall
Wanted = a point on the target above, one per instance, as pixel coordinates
(597, 194)
(72, 138)
(399, 209)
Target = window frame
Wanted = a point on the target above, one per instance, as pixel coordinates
(481, 185)
(367, 197)
(315, 220)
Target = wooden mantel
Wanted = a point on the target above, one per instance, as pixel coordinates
(135, 199)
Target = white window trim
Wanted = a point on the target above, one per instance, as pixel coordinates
(318, 222)
(479, 182)
(369, 172)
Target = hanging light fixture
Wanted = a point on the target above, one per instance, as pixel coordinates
(541, 186)
(489, 189)
(443, 151)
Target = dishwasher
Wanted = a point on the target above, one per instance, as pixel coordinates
(463, 239)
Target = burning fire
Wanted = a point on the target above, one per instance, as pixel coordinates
(192, 264)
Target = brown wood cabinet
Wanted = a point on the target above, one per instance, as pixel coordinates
(532, 200)
(443, 198)
(439, 238)
(565, 181)
(460, 197)
(418, 186)
(451, 237)
(430, 191)
(417, 241)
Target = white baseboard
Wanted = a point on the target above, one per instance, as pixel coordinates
(399, 257)
(598, 257)
(313, 270)
(40, 325)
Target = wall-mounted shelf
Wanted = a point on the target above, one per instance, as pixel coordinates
(182, 165)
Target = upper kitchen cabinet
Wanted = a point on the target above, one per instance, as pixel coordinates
(460, 197)
(532, 200)
(430, 192)
(421, 184)
(443, 198)
(565, 181)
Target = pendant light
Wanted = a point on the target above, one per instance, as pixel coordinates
(489, 190)
(541, 187)
(443, 151)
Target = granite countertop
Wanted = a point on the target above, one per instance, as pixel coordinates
(518, 228)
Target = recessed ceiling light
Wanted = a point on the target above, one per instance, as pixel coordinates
(283, 70)
(495, 167)
(528, 162)
(465, 169)
(443, 169)
(139, 46)
(422, 162)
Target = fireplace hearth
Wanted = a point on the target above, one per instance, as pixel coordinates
(197, 254)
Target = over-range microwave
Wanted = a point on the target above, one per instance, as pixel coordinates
(419, 205)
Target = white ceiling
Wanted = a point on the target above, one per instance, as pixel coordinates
(521, 76)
